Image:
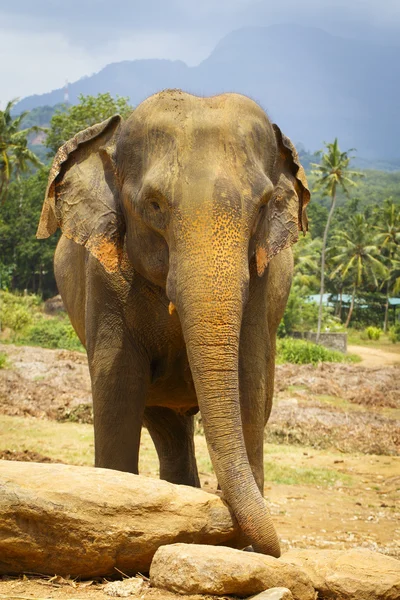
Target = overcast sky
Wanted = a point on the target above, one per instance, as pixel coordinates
(45, 42)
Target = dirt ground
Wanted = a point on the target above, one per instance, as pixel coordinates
(332, 451)
(372, 357)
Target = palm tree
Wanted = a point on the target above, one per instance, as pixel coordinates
(306, 252)
(15, 156)
(357, 257)
(332, 173)
(388, 238)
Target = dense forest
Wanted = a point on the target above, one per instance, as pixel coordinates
(354, 220)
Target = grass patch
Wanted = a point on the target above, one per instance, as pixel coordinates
(302, 352)
(295, 475)
(338, 402)
(69, 443)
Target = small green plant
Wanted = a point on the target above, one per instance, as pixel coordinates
(301, 352)
(394, 333)
(3, 360)
(373, 333)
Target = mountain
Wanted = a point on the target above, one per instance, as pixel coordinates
(314, 85)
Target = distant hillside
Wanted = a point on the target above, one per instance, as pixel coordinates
(314, 85)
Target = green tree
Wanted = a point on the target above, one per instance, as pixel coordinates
(317, 217)
(357, 257)
(307, 253)
(25, 262)
(68, 120)
(388, 238)
(15, 156)
(332, 173)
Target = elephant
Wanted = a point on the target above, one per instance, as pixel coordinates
(175, 265)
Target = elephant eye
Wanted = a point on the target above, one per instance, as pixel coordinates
(155, 206)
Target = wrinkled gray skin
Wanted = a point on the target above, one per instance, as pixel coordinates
(175, 266)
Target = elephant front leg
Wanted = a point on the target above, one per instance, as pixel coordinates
(120, 377)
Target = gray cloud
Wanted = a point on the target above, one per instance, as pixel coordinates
(46, 41)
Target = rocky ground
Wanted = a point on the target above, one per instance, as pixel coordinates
(332, 452)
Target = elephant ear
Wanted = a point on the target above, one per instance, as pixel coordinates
(286, 210)
(81, 196)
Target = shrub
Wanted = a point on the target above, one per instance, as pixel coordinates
(52, 333)
(17, 312)
(22, 314)
(373, 333)
(394, 333)
(301, 352)
(15, 318)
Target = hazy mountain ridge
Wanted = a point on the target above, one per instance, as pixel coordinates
(314, 85)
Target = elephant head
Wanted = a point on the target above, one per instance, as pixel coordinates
(201, 192)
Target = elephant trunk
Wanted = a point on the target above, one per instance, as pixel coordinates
(210, 309)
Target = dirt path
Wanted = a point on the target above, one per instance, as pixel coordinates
(374, 357)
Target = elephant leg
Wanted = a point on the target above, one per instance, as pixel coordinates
(120, 380)
(172, 435)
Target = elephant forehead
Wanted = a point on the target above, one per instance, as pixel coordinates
(178, 105)
(194, 123)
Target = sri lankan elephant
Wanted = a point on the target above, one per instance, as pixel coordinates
(174, 267)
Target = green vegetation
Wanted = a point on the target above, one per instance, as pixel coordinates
(358, 259)
(332, 173)
(15, 156)
(373, 333)
(394, 333)
(25, 262)
(52, 333)
(67, 121)
(3, 360)
(296, 475)
(301, 352)
(23, 322)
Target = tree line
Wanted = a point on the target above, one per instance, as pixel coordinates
(351, 252)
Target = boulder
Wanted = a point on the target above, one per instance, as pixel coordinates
(356, 574)
(84, 522)
(221, 571)
(54, 305)
(277, 593)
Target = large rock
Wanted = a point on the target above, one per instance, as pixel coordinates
(82, 521)
(194, 569)
(349, 574)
